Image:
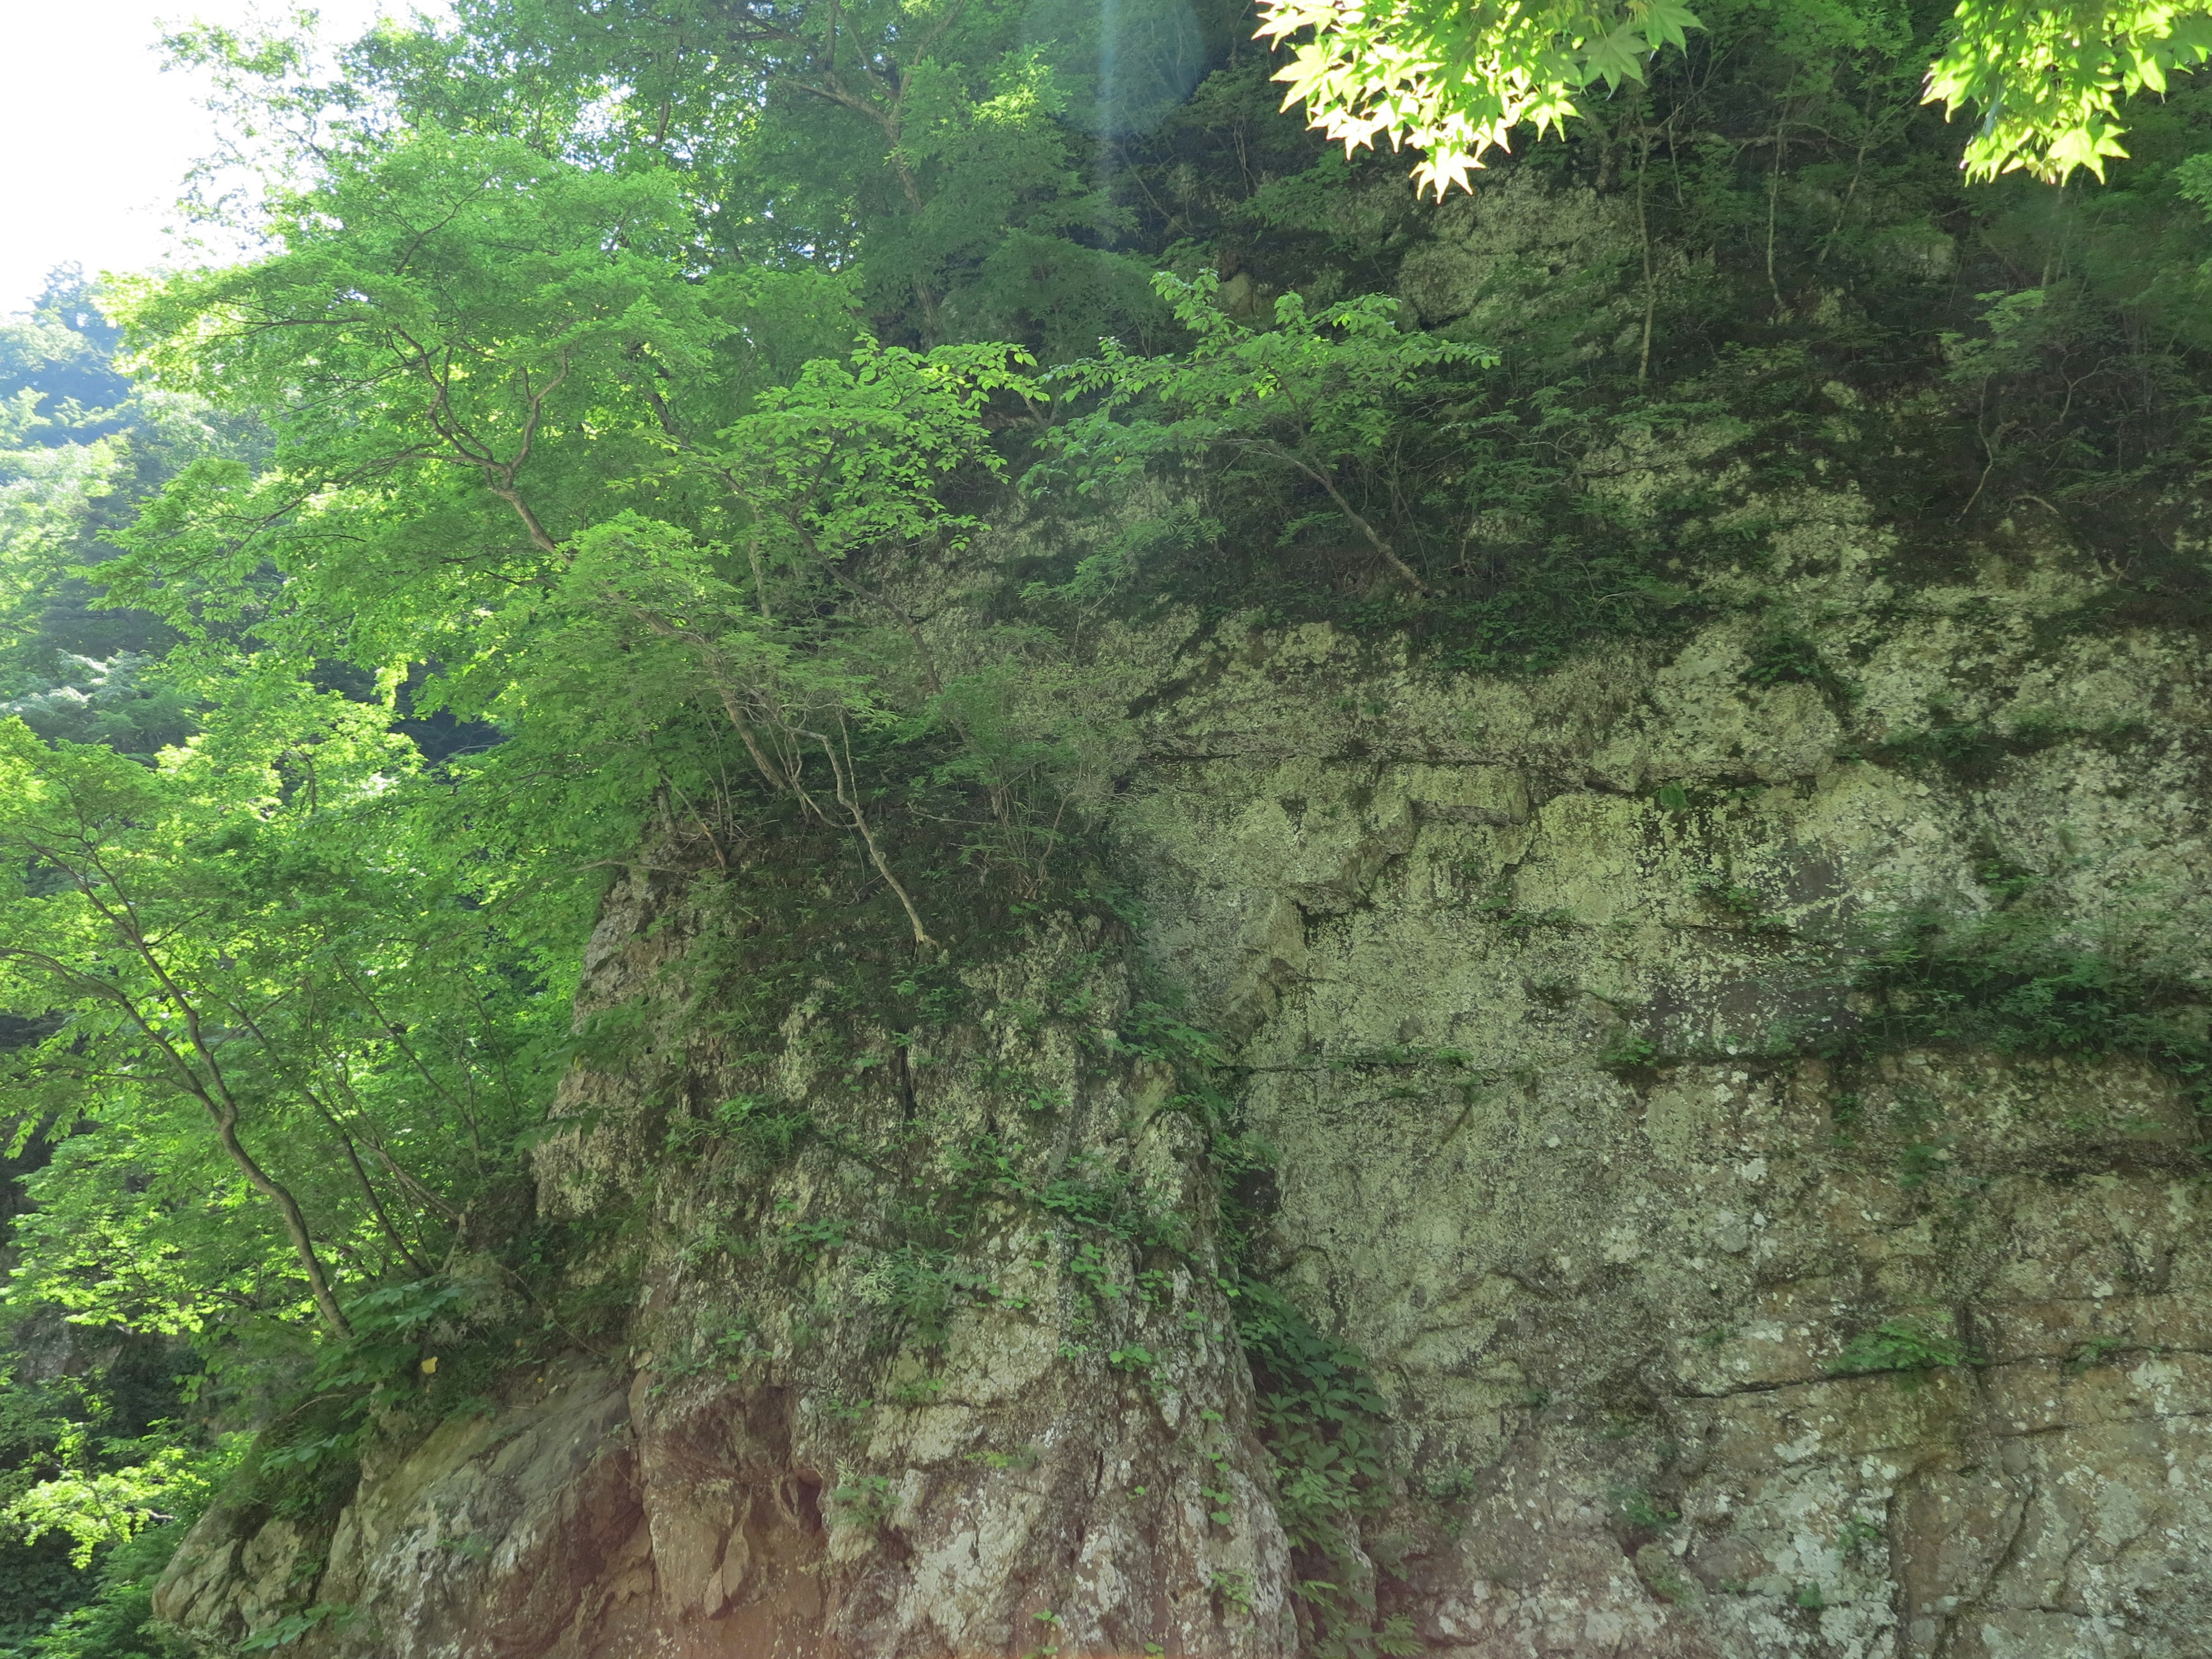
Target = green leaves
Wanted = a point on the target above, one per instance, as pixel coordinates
(852, 457)
(2047, 79)
(100, 1498)
(1454, 82)
(1312, 398)
(466, 347)
(1898, 1345)
(956, 144)
(256, 938)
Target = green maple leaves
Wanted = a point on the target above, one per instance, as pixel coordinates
(1454, 82)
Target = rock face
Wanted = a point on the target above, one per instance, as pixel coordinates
(1610, 1305)
(1716, 1311)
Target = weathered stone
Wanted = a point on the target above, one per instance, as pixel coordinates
(1549, 1156)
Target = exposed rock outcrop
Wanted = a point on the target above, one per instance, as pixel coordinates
(1708, 1325)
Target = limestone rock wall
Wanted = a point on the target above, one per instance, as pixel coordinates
(1525, 981)
(1609, 1301)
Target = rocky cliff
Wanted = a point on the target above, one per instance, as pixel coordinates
(1691, 1153)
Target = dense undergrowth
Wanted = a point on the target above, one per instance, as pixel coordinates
(583, 526)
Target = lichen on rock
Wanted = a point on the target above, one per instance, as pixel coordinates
(1706, 1319)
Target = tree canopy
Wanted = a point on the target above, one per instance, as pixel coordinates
(2044, 80)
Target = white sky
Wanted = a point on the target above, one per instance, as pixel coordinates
(95, 138)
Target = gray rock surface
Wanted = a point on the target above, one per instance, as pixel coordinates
(1515, 977)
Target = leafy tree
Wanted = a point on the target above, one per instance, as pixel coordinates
(108, 1493)
(471, 343)
(118, 702)
(848, 461)
(1315, 395)
(971, 149)
(244, 950)
(2047, 78)
(1454, 80)
(484, 323)
(46, 493)
(62, 354)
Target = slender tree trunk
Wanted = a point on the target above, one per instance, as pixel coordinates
(1651, 283)
(296, 1222)
(848, 797)
(376, 1204)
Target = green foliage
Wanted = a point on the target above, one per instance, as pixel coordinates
(1638, 1509)
(763, 1134)
(102, 1468)
(1780, 655)
(2094, 1352)
(1305, 400)
(395, 1341)
(864, 1501)
(2019, 976)
(111, 1502)
(116, 1621)
(116, 703)
(62, 354)
(1454, 82)
(46, 492)
(919, 1289)
(1787, 222)
(1324, 1426)
(956, 146)
(1900, 1345)
(112, 1465)
(813, 1237)
(729, 1352)
(1402, 492)
(1858, 1536)
(2029, 348)
(2049, 75)
(1628, 1051)
(1134, 1359)
(282, 990)
(79, 449)
(647, 501)
(284, 1631)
